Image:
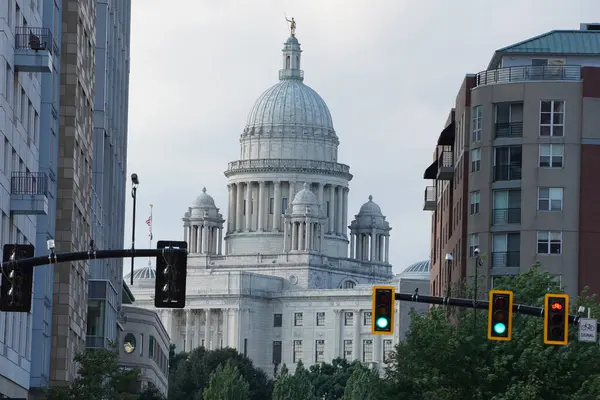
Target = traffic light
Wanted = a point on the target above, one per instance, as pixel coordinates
(171, 271)
(500, 315)
(556, 319)
(382, 317)
(16, 286)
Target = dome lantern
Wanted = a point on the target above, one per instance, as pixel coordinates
(203, 226)
(304, 226)
(370, 234)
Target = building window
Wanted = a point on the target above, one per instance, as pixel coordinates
(508, 163)
(549, 242)
(277, 320)
(475, 160)
(348, 318)
(151, 346)
(271, 205)
(552, 118)
(319, 351)
(506, 250)
(509, 120)
(328, 209)
(367, 318)
(476, 124)
(552, 155)
(283, 205)
(298, 319)
(277, 352)
(320, 319)
(388, 348)
(348, 349)
(506, 207)
(297, 351)
(473, 243)
(349, 284)
(550, 199)
(474, 202)
(368, 350)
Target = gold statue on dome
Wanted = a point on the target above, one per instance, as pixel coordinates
(292, 26)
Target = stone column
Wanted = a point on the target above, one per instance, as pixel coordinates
(294, 227)
(197, 339)
(276, 205)
(387, 249)
(356, 344)
(301, 235)
(373, 246)
(188, 330)
(345, 191)
(206, 238)
(173, 327)
(207, 329)
(199, 237)
(292, 192)
(231, 209)
(331, 209)
(359, 252)
(352, 245)
(320, 188)
(285, 236)
(248, 206)
(189, 236)
(377, 349)
(220, 245)
(340, 210)
(215, 344)
(321, 237)
(192, 243)
(338, 344)
(240, 207)
(234, 337)
(261, 205)
(185, 233)
(309, 235)
(225, 312)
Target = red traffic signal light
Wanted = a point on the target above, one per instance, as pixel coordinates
(500, 315)
(382, 315)
(556, 319)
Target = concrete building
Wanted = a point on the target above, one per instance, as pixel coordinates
(26, 54)
(294, 279)
(109, 163)
(46, 223)
(515, 168)
(74, 199)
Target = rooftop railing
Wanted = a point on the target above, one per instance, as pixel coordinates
(287, 163)
(529, 73)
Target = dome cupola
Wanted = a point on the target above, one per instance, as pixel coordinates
(370, 234)
(305, 202)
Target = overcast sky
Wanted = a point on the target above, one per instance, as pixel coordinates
(389, 71)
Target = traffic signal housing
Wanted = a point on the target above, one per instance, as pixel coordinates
(382, 316)
(500, 315)
(556, 319)
(16, 285)
(171, 274)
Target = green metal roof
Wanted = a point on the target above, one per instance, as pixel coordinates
(556, 42)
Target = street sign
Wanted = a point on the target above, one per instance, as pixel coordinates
(588, 330)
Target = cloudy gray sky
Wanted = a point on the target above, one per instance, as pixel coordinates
(388, 69)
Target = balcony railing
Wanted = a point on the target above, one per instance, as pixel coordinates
(288, 163)
(430, 199)
(506, 259)
(529, 73)
(32, 183)
(33, 38)
(503, 216)
(506, 173)
(509, 129)
(446, 160)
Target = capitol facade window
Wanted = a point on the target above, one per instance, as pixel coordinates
(387, 350)
(348, 350)
(348, 318)
(320, 319)
(298, 319)
(367, 318)
(368, 350)
(297, 351)
(320, 351)
(277, 320)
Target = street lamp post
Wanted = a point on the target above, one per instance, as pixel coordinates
(134, 185)
(448, 279)
(478, 262)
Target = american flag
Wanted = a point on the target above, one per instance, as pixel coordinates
(149, 223)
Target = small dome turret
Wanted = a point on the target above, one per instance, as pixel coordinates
(305, 202)
(370, 234)
(205, 200)
(370, 208)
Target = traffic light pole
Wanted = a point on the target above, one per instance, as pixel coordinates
(479, 304)
(88, 255)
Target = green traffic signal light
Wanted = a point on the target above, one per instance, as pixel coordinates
(382, 322)
(499, 328)
(500, 315)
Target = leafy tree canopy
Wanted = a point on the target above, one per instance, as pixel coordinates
(363, 385)
(452, 359)
(226, 383)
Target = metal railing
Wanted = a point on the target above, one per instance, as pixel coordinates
(503, 216)
(291, 73)
(430, 194)
(506, 259)
(528, 73)
(446, 160)
(32, 183)
(288, 163)
(507, 173)
(509, 129)
(27, 37)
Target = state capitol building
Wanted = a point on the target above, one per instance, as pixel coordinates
(283, 279)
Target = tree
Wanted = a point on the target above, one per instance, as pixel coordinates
(294, 387)
(330, 380)
(226, 383)
(100, 377)
(193, 372)
(363, 385)
(151, 393)
(451, 359)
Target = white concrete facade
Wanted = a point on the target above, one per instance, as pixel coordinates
(286, 286)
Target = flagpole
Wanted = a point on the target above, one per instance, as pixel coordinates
(150, 235)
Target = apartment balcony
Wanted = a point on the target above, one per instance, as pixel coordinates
(529, 73)
(507, 173)
(509, 129)
(445, 170)
(97, 342)
(506, 259)
(29, 193)
(430, 200)
(505, 216)
(33, 49)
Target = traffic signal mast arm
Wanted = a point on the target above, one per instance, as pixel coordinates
(88, 255)
(479, 304)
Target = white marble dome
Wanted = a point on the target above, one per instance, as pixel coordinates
(305, 202)
(205, 200)
(144, 274)
(370, 208)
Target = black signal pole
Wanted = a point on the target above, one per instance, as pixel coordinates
(134, 185)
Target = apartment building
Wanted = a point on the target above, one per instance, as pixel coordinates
(26, 57)
(515, 168)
